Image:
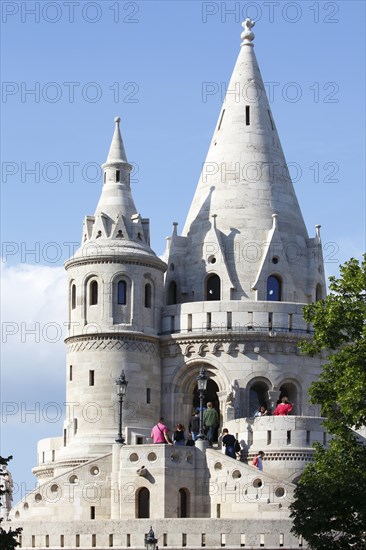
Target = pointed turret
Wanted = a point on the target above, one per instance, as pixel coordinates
(244, 182)
(117, 153)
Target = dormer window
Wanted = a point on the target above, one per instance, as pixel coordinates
(274, 289)
(118, 176)
(213, 288)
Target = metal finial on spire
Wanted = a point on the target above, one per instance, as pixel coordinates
(117, 119)
(247, 36)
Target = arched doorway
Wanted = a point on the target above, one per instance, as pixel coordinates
(258, 396)
(183, 503)
(210, 395)
(143, 503)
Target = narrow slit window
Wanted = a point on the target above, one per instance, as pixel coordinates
(73, 296)
(270, 321)
(288, 437)
(148, 396)
(172, 323)
(269, 437)
(223, 539)
(218, 510)
(189, 324)
(118, 176)
(47, 541)
(65, 438)
(77, 541)
(122, 293)
(70, 373)
(105, 177)
(247, 115)
(270, 119)
(110, 541)
(208, 321)
(184, 539)
(92, 512)
(165, 539)
(93, 293)
(75, 426)
(62, 541)
(229, 320)
(148, 295)
(128, 540)
(91, 378)
(94, 541)
(221, 119)
(290, 322)
(308, 437)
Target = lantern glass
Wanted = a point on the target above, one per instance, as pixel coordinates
(121, 384)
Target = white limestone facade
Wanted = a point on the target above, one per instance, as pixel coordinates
(229, 297)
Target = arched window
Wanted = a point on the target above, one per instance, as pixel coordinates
(148, 295)
(122, 293)
(172, 293)
(273, 288)
(318, 292)
(143, 503)
(258, 396)
(213, 288)
(73, 296)
(93, 293)
(183, 503)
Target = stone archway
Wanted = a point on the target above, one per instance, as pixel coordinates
(184, 399)
(212, 396)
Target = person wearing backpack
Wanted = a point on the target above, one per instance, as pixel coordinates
(229, 442)
(210, 421)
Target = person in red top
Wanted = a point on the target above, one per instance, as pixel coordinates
(159, 433)
(283, 408)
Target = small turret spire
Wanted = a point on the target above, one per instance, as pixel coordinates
(117, 151)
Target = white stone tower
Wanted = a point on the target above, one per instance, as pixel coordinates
(115, 298)
(239, 274)
(235, 285)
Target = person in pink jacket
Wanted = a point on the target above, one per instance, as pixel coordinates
(283, 408)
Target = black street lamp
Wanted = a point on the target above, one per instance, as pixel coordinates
(121, 385)
(150, 540)
(202, 385)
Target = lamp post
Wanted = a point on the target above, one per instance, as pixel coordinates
(121, 385)
(150, 540)
(202, 385)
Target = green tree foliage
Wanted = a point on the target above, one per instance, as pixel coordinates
(329, 509)
(340, 328)
(8, 539)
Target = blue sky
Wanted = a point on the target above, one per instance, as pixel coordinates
(151, 62)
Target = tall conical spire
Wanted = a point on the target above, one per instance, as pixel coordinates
(244, 181)
(117, 151)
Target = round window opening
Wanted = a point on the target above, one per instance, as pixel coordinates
(94, 470)
(236, 474)
(134, 457)
(73, 479)
(218, 466)
(257, 483)
(17, 514)
(54, 488)
(211, 260)
(26, 506)
(38, 497)
(152, 457)
(280, 492)
(275, 260)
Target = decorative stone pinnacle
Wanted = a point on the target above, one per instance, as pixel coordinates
(247, 36)
(117, 119)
